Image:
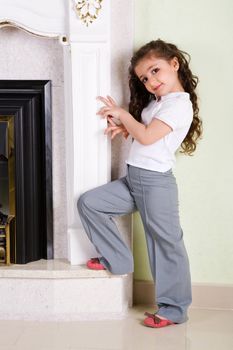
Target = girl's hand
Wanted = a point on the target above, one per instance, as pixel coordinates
(110, 108)
(115, 129)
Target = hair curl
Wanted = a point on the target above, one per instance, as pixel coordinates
(140, 97)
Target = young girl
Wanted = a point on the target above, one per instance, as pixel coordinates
(163, 115)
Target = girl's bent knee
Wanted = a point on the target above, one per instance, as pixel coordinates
(81, 202)
(85, 200)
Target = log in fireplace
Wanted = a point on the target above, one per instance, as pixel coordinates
(26, 169)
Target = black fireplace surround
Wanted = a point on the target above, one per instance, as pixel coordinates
(29, 102)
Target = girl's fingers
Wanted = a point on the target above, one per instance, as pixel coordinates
(108, 101)
(104, 112)
(113, 128)
(109, 129)
(109, 119)
(113, 121)
(116, 132)
(104, 100)
(111, 100)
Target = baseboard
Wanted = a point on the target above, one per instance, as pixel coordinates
(143, 292)
(210, 296)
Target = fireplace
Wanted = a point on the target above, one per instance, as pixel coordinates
(26, 170)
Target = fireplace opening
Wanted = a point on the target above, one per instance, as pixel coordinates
(26, 210)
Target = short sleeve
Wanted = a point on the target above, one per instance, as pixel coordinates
(177, 114)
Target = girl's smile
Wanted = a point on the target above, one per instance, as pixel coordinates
(157, 87)
(158, 75)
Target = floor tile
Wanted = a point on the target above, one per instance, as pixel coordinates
(38, 336)
(206, 329)
(127, 334)
(10, 332)
(209, 329)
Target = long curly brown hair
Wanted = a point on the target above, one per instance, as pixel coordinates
(140, 97)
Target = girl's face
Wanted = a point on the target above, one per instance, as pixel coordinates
(158, 75)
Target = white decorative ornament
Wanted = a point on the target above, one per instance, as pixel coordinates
(87, 10)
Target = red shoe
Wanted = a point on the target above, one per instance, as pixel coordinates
(94, 264)
(155, 322)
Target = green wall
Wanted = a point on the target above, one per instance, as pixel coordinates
(205, 181)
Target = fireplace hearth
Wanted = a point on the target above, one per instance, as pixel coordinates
(26, 167)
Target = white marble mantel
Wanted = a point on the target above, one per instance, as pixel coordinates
(87, 74)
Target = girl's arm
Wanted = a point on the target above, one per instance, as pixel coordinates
(144, 134)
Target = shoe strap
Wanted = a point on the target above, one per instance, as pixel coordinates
(155, 318)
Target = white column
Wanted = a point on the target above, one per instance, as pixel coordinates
(87, 75)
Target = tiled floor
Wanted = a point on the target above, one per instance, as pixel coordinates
(206, 329)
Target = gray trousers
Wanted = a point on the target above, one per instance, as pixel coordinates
(154, 195)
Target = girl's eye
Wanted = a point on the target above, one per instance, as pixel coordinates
(155, 70)
(144, 80)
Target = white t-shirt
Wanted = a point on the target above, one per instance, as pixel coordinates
(175, 109)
